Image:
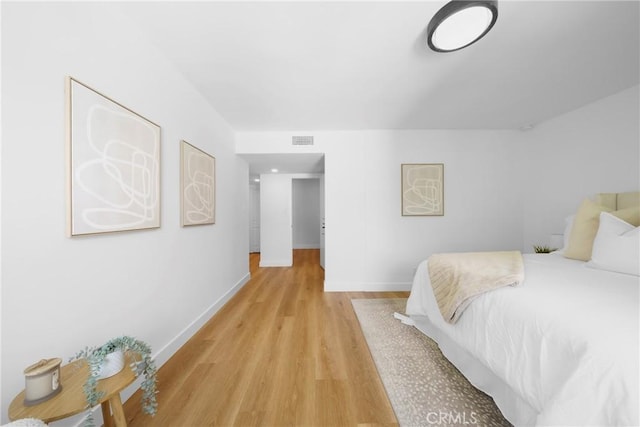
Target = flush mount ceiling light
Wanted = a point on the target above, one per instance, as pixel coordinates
(461, 23)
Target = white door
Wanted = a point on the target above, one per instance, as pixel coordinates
(322, 222)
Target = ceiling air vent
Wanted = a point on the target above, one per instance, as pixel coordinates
(302, 140)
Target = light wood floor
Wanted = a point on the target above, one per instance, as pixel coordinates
(281, 352)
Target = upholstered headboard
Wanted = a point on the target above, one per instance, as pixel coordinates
(583, 228)
(617, 201)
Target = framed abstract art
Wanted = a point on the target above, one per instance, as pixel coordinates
(198, 183)
(422, 189)
(113, 165)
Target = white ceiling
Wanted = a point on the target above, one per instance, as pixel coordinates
(365, 65)
(309, 66)
(285, 163)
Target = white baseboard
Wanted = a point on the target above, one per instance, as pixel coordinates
(306, 246)
(333, 286)
(161, 356)
(276, 263)
(174, 345)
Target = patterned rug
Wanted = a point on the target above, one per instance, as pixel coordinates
(424, 388)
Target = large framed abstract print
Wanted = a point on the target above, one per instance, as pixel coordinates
(113, 165)
(198, 186)
(422, 189)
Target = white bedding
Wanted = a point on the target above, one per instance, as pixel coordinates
(566, 340)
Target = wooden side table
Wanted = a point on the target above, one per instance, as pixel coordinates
(71, 400)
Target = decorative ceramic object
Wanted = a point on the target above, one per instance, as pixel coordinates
(111, 365)
(143, 364)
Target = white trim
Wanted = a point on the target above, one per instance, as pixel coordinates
(306, 246)
(174, 345)
(161, 356)
(276, 263)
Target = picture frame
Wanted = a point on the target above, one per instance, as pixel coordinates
(422, 187)
(113, 164)
(197, 186)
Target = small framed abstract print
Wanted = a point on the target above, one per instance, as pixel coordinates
(422, 189)
(198, 183)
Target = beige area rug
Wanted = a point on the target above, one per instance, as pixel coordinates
(424, 388)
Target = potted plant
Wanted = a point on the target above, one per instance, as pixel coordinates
(144, 365)
(543, 249)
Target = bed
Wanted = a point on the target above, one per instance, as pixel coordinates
(562, 347)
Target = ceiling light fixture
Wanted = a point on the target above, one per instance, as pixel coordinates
(461, 23)
(274, 170)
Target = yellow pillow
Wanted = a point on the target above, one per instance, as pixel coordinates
(585, 227)
(583, 232)
(630, 215)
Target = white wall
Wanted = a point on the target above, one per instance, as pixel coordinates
(60, 294)
(254, 217)
(306, 213)
(503, 189)
(275, 220)
(369, 245)
(593, 149)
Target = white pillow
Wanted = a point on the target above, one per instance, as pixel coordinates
(568, 225)
(616, 246)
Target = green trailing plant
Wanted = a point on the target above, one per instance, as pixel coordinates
(543, 249)
(143, 364)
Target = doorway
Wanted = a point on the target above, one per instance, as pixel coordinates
(286, 212)
(254, 217)
(308, 214)
(271, 203)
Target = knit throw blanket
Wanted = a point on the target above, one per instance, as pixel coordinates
(457, 278)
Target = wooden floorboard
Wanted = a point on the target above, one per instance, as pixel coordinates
(281, 352)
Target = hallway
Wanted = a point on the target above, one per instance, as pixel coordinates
(280, 352)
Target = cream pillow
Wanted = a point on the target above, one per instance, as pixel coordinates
(585, 227)
(616, 246)
(630, 215)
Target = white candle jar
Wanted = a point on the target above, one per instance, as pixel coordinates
(42, 381)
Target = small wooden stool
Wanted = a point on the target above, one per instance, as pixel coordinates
(71, 400)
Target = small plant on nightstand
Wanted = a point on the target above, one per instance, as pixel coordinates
(543, 249)
(143, 364)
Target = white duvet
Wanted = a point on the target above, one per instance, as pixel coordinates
(566, 340)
